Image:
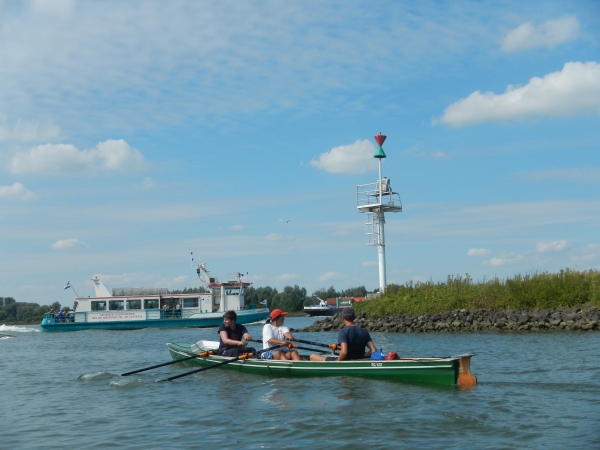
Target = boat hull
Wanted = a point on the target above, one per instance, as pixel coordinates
(322, 312)
(212, 320)
(444, 371)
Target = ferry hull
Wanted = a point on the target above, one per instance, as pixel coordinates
(214, 320)
(442, 371)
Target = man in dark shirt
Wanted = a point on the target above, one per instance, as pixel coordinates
(351, 339)
(233, 337)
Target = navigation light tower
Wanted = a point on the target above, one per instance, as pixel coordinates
(375, 199)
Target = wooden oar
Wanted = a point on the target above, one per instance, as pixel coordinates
(244, 356)
(199, 355)
(289, 345)
(332, 347)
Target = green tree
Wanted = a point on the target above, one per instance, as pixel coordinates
(360, 291)
(253, 296)
(291, 299)
(327, 293)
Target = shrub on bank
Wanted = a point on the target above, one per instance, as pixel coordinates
(544, 290)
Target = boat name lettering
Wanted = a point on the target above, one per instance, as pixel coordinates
(116, 316)
(376, 364)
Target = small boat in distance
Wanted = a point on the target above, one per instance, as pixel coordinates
(450, 371)
(330, 307)
(135, 308)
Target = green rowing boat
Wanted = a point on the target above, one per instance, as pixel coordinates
(452, 370)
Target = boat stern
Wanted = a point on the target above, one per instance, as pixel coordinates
(48, 319)
(465, 379)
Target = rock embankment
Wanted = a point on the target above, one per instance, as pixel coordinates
(584, 318)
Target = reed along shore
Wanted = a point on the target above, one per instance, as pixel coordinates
(568, 300)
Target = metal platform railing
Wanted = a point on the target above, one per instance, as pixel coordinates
(368, 199)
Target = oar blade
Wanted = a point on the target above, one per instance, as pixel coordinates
(199, 355)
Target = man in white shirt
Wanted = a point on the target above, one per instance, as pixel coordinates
(275, 333)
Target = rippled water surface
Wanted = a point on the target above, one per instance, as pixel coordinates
(59, 390)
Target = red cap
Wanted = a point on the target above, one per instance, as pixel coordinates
(276, 313)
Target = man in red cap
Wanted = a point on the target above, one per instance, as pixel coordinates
(275, 333)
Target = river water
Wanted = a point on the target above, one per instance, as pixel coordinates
(60, 390)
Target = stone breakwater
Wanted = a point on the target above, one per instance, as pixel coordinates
(584, 318)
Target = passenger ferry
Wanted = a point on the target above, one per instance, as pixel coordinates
(134, 308)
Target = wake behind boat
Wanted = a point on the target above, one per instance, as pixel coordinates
(452, 370)
(134, 308)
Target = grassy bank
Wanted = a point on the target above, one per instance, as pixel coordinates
(538, 290)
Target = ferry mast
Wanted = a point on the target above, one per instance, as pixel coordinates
(374, 200)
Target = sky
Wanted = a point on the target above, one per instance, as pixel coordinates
(135, 134)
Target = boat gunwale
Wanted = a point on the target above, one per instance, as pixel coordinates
(358, 364)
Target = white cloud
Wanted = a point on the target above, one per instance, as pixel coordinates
(148, 183)
(478, 252)
(110, 155)
(69, 244)
(144, 62)
(340, 233)
(329, 276)
(60, 8)
(273, 237)
(352, 159)
(26, 131)
(439, 155)
(556, 246)
(369, 263)
(573, 90)
(586, 255)
(548, 34)
(505, 260)
(571, 175)
(16, 192)
(237, 227)
(180, 279)
(286, 277)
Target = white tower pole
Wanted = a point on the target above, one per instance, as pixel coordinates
(381, 232)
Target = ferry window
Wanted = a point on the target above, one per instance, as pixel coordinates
(150, 304)
(134, 304)
(98, 306)
(115, 305)
(190, 302)
(217, 292)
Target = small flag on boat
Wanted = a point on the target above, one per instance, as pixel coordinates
(67, 286)
(264, 302)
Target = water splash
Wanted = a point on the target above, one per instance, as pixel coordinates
(128, 382)
(17, 329)
(95, 376)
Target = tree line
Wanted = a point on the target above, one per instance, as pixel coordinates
(291, 299)
(12, 311)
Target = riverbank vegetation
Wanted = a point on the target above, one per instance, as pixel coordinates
(14, 312)
(543, 290)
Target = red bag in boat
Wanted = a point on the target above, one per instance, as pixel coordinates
(392, 355)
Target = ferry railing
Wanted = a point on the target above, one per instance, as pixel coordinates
(170, 314)
(61, 319)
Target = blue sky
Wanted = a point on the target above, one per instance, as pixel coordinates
(135, 133)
